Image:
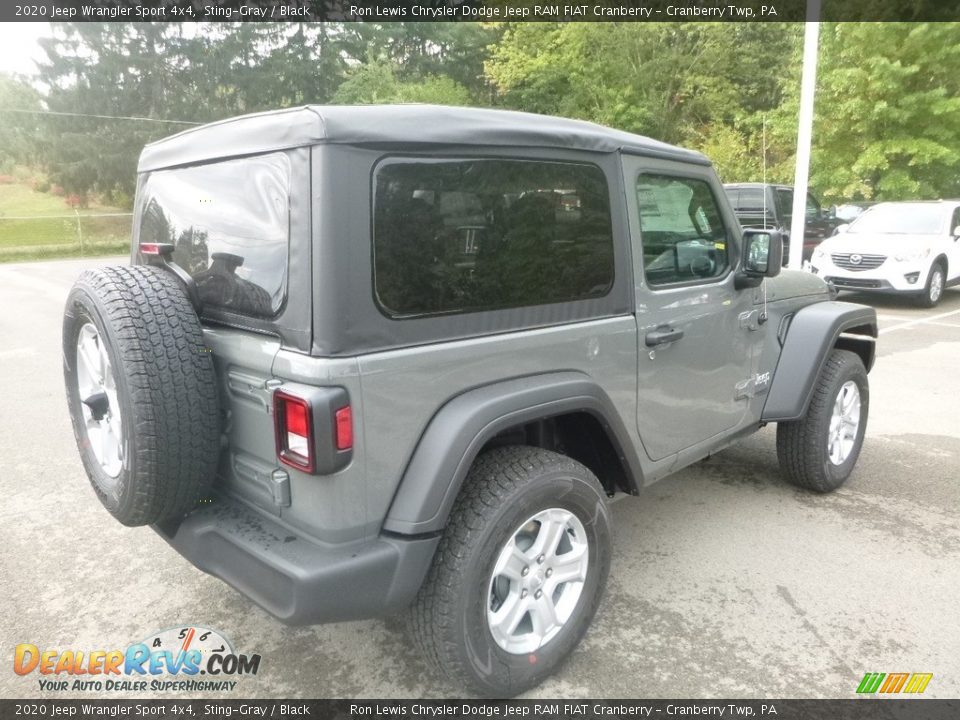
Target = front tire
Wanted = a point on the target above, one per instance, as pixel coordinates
(519, 572)
(818, 451)
(934, 289)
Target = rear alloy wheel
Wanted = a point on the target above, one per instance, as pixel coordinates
(537, 581)
(519, 572)
(934, 290)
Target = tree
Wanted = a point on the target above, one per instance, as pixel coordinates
(418, 50)
(18, 131)
(887, 122)
(162, 72)
(377, 82)
(111, 69)
(671, 81)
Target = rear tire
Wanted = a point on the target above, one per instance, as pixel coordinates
(514, 503)
(818, 451)
(142, 393)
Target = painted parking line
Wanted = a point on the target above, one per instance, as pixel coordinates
(944, 324)
(17, 353)
(919, 321)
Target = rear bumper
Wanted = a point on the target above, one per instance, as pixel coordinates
(299, 580)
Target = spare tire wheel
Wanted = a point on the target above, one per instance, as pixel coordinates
(142, 392)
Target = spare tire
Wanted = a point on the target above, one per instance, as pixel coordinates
(142, 392)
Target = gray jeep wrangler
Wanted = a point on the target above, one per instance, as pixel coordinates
(378, 359)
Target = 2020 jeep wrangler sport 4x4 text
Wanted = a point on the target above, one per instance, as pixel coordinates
(405, 354)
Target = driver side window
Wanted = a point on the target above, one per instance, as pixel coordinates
(681, 229)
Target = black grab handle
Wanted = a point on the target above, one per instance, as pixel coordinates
(662, 334)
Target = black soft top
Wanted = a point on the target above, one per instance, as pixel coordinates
(393, 125)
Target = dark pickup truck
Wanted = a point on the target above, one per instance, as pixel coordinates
(759, 205)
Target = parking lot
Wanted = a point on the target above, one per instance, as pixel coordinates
(726, 582)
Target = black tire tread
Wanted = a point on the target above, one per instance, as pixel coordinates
(799, 442)
(494, 477)
(923, 300)
(172, 385)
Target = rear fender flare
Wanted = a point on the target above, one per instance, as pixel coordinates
(461, 428)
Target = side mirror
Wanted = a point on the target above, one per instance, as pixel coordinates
(956, 231)
(840, 229)
(762, 256)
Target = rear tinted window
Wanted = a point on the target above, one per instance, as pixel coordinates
(747, 199)
(230, 224)
(470, 235)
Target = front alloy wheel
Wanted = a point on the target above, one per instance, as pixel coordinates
(935, 285)
(844, 423)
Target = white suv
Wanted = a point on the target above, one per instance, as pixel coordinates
(895, 247)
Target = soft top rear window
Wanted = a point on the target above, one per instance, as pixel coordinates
(229, 223)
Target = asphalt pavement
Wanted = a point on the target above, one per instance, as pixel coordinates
(726, 581)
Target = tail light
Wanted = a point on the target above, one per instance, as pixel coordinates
(313, 428)
(164, 250)
(294, 430)
(343, 428)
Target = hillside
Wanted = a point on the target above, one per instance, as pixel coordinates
(37, 224)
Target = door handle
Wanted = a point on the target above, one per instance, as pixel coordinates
(663, 334)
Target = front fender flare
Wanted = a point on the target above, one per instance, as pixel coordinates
(459, 430)
(812, 334)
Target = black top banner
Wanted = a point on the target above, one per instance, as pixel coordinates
(479, 10)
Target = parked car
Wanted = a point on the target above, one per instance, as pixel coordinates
(399, 358)
(757, 205)
(909, 248)
(848, 212)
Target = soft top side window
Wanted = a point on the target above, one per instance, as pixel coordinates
(467, 235)
(682, 231)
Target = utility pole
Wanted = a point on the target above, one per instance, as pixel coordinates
(808, 87)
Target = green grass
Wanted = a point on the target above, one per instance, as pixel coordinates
(52, 228)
